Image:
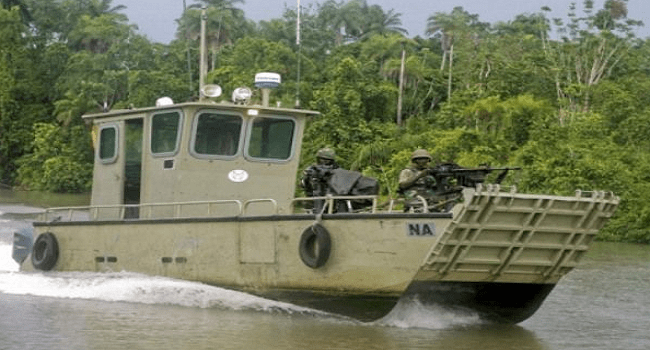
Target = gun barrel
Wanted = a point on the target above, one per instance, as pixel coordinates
(486, 169)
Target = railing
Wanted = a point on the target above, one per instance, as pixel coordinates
(235, 208)
(329, 202)
(174, 210)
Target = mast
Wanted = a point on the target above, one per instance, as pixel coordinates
(299, 55)
(203, 69)
(189, 57)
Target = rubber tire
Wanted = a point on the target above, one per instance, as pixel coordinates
(315, 236)
(45, 252)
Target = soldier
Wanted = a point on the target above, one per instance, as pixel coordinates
(420, 181)
(315, 177)
(417, 179)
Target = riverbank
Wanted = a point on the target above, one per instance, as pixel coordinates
(43, 199)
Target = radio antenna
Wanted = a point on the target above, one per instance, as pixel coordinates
(299, 55)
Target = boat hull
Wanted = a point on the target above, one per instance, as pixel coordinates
(370, 254)
(508, 303)
(505, 303)
(497, 256)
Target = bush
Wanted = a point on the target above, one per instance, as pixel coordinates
(62, 174)
(60, 161)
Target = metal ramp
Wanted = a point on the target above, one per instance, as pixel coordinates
(509, 237)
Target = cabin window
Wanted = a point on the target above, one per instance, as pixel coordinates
(216, 134)
(165, 133)
(271, 138)
(108, 144)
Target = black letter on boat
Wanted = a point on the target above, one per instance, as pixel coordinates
(420, 229)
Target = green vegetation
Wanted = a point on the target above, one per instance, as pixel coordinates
(566, 100)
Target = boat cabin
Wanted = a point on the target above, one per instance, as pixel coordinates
(224, 153)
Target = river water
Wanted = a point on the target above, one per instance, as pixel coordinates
(603, 304)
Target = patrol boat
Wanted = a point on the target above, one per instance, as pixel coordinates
(204, 191)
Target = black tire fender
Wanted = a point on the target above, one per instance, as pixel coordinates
(45, 252)
(315, 246)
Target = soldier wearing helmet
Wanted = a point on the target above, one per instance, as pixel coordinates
(315, 177)
(325, 156)
(421, 182)
(417, 179)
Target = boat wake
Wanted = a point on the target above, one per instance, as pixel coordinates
(413, 314)
(143, 289)
(131, 287)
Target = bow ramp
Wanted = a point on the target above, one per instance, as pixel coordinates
(505, 251)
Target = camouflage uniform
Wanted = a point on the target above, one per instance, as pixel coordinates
(417, 180)
(440, 190)
(422, 186)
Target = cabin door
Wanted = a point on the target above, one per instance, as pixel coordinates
(132, 165)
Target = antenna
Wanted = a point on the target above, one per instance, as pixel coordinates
(203, 69)
(189, 57)
(299, 56)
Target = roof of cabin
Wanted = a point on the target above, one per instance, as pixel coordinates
(206, 104)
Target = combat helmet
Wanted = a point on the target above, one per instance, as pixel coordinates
(420, 153)
(326, 153)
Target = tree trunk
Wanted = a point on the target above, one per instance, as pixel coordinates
(451, 64)
(401, 89)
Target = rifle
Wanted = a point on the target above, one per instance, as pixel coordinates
(467, 177)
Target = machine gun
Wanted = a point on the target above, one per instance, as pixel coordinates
(465, 177)
(322, 180)
(315, 179)
(450, 180)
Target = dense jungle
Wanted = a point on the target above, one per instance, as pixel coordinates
(565, 99)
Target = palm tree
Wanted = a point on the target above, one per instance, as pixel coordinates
(74, 10)
(97, 8)
(224, 25)
(356, 20)
(220, 4)
(383, 23)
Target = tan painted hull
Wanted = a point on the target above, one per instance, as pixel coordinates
(367, 255)
(498, 254)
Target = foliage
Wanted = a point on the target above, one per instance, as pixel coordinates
(571, 110)
(239, 64)
(13, 129)
(61, 160)
(353, 108)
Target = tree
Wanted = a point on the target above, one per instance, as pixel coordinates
(97, 34)
(97, 8)
(354, 109)
(535, 24)
(24, 11)
(376, 21)
(61, 160)
(10, 52)
(72, 11)
(451, 28)
(593, 45)
(224, 25)
(49, 21)
(239, 64)
(221, 4)
(421, 81)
